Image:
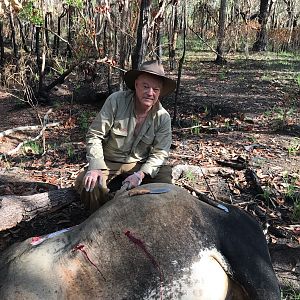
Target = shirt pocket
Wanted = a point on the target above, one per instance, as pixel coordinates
(144, 146)
(118, 139)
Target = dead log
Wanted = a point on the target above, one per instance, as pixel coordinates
(15, 209)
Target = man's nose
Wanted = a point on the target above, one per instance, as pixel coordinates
(150, 91)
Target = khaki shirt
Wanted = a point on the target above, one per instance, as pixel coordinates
(111, 135)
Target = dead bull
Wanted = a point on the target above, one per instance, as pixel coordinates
(154, 246)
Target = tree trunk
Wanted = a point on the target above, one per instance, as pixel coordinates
(181, 61)
(174, 34)
(221, 33)
(158, 39)
(47, 18)
(15, 209)
(70, 28)
(22, 35)
(1, 44)
(291, 13)
(142, 34)
(261, 39)
(13, 34)
(56, 39)
(123, 41)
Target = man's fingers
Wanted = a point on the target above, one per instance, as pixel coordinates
(93, 183)
(91, 179)
(100, 181)
(89, 183)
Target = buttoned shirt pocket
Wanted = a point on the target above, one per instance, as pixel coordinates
(144, 146)
(118, 139)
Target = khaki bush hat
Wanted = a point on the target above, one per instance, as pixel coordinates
(154, 68)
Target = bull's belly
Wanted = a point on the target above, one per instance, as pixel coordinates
(207, 280)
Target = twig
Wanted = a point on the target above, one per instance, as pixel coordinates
(182, 155)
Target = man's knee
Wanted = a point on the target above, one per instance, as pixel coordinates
(164, 175)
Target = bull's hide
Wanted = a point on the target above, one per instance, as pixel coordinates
(142, 247)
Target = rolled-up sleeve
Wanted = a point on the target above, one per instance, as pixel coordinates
(161, 147)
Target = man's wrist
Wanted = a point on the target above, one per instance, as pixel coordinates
(141, 174)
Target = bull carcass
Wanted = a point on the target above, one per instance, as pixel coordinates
(152, 246)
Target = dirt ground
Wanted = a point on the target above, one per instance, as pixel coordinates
(240, 123)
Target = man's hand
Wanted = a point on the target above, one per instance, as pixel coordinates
(134, 180)
(91, 178)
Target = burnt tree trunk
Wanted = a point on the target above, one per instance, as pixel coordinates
(158, 39)
(22, 36)
(1, 44)
(123, 41)
(142, 34)
(15, 209)
(221, 33)
(261, 39)
(181, 61)
(13, 33)
(158, 30)
(70, 29)
(56, 38)
(174, 34)
(47, 19)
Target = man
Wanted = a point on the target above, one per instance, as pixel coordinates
(130, 136)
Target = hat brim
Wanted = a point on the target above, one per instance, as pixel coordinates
(169, 85)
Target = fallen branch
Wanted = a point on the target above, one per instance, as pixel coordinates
(15, 209)
(61, 78)
(41, 134)
(25, 128)
(236, 164)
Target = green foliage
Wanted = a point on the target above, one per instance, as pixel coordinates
(206, 110)
(84, 121)
(298, 80)
(294, 146)
(293, 193)
(266, 195)
(289, 294)
(70, 151)
(279, 116)
(267, 77)
(196, 129)
(282, 113)
(33, 147)
(32, 13)
(222, 76)
(75, 3)
(190, 176)
(252, 139)
(195, 44)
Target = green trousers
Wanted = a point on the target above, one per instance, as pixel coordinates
(112, 178)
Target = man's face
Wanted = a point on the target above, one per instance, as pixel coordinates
(147, 89)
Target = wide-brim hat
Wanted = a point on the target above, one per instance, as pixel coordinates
(151, 67)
